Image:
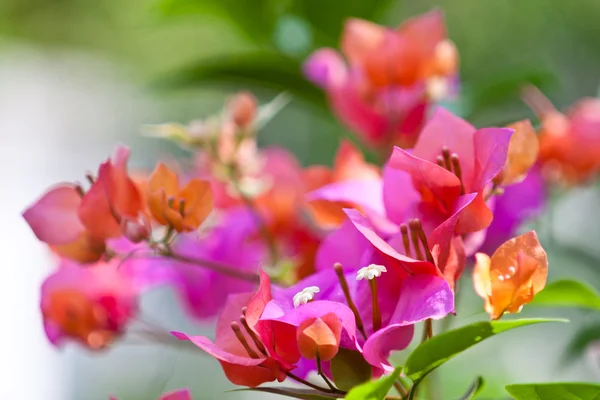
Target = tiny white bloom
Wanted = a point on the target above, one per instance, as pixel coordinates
(305, 295)
(370, 272)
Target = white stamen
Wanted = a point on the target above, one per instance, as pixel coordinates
(370, 272)
(305, 295)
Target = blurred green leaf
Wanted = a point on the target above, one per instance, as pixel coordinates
(582, 340)
(475, 389)
(257, 18)
(253, 70)
(554, 391)
(304, 394)
(568, 293)
(441, 348)
(504, 87)
(350, 369)
(328, 17)
(375, 390)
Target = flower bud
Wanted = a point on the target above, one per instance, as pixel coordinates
(136, 230)
(243, 108)
(319, 337)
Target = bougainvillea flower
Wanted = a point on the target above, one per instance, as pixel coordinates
(91, 305)
(522, 153)
(512, 276)
(403, 298)
(76, 224)
(517, 204)
(410, 289)
(569, 142)
(391, 76)
(349, 165)
(183, 209)
(475, 157)
(112, 196)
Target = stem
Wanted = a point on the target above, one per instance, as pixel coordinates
(413, 389)
(344, 285)
(312, 385)
(320, 372)
(224, 269)
(400, 388)
(375, 300)
(427, 330)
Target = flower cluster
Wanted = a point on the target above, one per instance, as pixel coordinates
(318, 270)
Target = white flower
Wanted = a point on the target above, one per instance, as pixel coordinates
(370, 272)
(305, 295)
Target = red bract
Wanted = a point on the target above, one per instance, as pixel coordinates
(90, 305)
(391, 77)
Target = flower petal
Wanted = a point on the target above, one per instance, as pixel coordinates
(325, 68)
(435, 184)
(491, 150)
(445, 129)
(53, 218)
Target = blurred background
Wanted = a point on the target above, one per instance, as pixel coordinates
(78, 76)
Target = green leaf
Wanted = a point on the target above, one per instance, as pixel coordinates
(554, 391)
(441, 348)
(263, 69)
(568, 293)
(350, 369)
(505, 86)
(305, 394)
(475, 389)
(375, 390)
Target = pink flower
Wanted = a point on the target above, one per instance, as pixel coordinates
(91, 305)
(452, 159)
(391, 77)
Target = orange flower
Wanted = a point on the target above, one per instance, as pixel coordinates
(183, 209)
(522, 152)
(516, 272)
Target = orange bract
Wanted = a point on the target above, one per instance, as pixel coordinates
(522, 152)
(319, 337)
(185, 208)
(512, 276)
